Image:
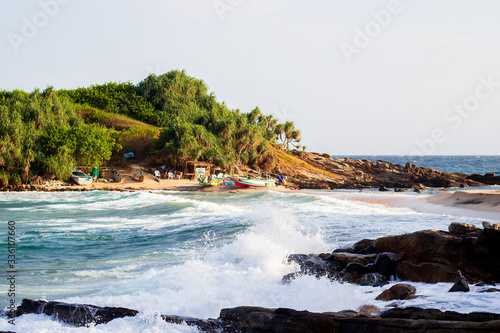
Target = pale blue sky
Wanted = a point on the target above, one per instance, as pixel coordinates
(394, 95)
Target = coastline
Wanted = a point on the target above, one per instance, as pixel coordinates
(128, 184)
(481, 200)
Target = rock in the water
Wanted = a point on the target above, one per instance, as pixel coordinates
(368, 309)
(489, 225)
(462, 228)
(385, 263)
(262, 320)
(383, 189)
(460, 285)
(74, 314)
(489, 290)
(398, 291)
(372, 279)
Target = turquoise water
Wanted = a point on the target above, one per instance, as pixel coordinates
(193, 254)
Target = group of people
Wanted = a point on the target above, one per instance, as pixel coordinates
(166, 172)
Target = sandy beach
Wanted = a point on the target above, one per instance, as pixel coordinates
(488, 201)
(150, 183)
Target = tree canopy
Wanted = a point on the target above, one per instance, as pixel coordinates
(55, 130)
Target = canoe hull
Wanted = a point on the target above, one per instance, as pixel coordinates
(254, 182)
(82, 181)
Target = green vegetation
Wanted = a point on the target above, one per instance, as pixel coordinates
(170, 117)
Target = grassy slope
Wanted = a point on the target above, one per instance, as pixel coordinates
(113, 120)
(292, 165)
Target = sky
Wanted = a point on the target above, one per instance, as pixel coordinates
(394, 77)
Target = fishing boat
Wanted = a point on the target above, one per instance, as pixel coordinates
(210, 181)
(81, 178)
(253, 182)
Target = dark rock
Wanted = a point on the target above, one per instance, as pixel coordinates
(363, 247)
(385, 263)
(489, 225)
(356, 267)
(347, 258)
(434, 314)
(489, 290)
(460, 285)
(247, 319)
(368, 309)
(398, 291)
(74, 314)
(488, 178)
(424, 256)
(372, 279)
(383, 189)
(462, 228)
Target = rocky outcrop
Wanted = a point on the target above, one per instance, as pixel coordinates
(488, 178)
(263, 320)
(352, 173)
(398, 291)
(424, 256)
(74, 314)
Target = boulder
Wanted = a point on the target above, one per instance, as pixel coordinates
(462, 228)
(489, 225)
(264, 320)
(424, 256)
(398, 291)
(460, 285)
(74, 314)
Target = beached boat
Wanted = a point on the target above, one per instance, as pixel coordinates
(212, 181)
(253, 182)
(81, 178)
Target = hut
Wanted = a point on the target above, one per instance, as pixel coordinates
(196, 167)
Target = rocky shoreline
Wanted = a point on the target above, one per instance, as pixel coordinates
(464, 254)
(263, 320)
(307, 171)
(351, 173)
(429, 256)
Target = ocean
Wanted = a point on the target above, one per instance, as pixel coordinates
(468, 164)
(192, 254)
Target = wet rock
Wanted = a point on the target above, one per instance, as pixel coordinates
(462, 228)
(489, 290)
(74, 314)
(262, 320)
(460, 285)
(489, 225)
(399, 190)
(347, 258)
(372, 279)
(434, 314)
(488, 178)
(383, 189)
(398, 291)
(424, 256)
(368, 309)
(385, 263)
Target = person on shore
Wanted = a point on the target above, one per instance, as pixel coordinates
(94, 173)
